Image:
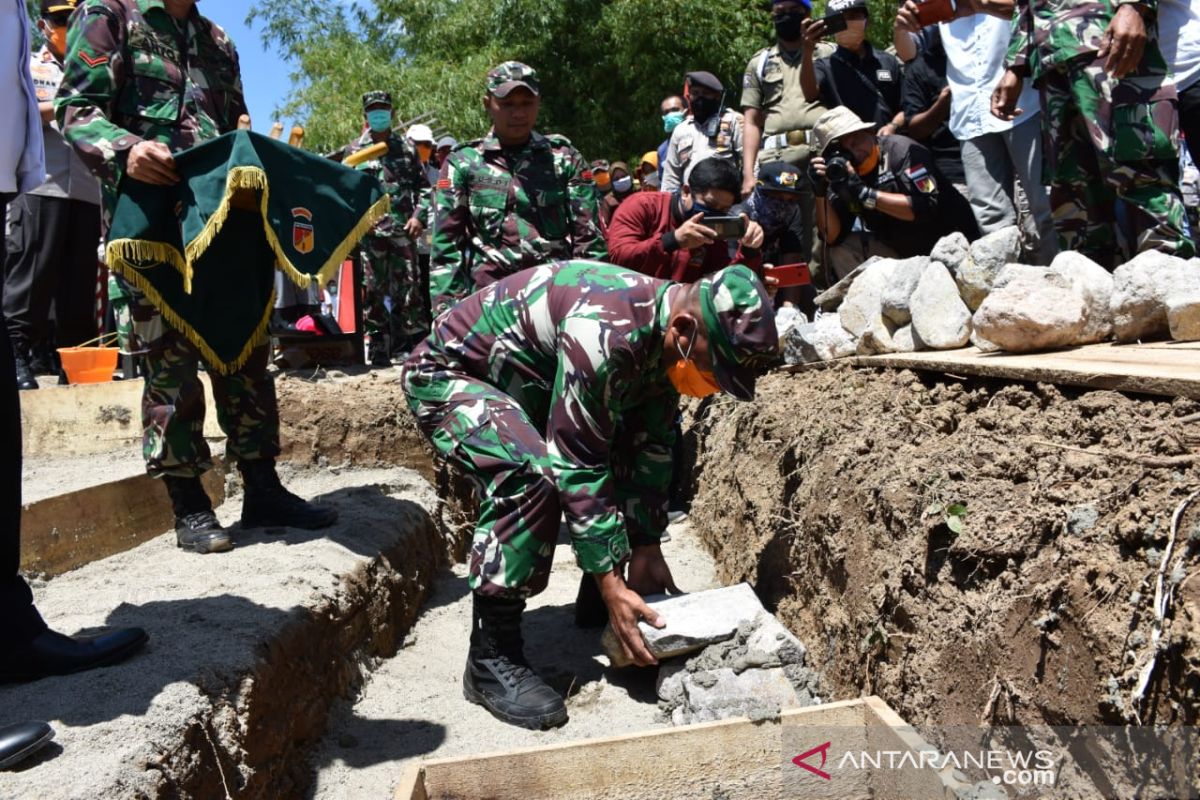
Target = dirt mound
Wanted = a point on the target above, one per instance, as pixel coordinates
(339, 419)
(948, 544)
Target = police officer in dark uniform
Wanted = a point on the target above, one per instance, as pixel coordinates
(890, 184)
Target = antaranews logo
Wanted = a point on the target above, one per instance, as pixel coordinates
(801, 760)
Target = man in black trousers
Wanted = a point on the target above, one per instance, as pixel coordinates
(28, 648)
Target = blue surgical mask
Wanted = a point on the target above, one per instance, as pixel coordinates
(379, 120)
(671, 120)
(623, 184)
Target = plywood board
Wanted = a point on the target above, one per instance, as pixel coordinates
(733, 758)
(1162, 368)
(91, 418)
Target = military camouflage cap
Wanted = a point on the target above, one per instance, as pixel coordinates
(600, 165)
(503, 79)
(378, 97)
(742, 338)
(780, 176)
(834, 124)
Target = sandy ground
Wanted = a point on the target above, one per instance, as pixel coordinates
(413, 708)
(207, 616)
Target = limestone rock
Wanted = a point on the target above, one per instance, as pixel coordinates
(904, 340)
(951, 251)
(1032, 313)
(693, 621)
(823, 340)
(1183, 316)
(1095, 285)
(862, 310)
(940, 319)
(787, 318)
(977, 274)
(895, 297)
(1141, 287)
(832, 297)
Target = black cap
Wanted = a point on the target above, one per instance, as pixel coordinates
(705, 79)
(780, 176)
(51, 7)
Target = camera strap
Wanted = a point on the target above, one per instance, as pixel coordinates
(863, 78)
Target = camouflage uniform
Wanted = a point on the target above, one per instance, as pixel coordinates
(390, 267)
(498, 211)
(133, 74)
(549, 390)
(1108, 139)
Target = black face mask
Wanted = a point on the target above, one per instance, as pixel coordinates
(788, 26)
(704, 107)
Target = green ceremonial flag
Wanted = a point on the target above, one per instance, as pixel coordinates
(204, 251)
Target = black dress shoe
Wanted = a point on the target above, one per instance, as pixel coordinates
(52, 653)
(18, 742)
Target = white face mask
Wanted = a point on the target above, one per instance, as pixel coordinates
(623, 184)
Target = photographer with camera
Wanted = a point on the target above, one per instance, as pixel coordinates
(879, 195)
(690, 233)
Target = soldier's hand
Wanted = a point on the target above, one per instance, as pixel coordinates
(1004, 96)
(693, 233)
(625, 608)
(649, 572)
(1123, 42)
(151, 162)
(754, 234)
(413, 228)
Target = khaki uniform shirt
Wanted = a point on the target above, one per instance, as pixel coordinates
(689, 145)
(772, 84)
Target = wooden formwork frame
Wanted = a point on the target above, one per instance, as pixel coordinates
(688, 761)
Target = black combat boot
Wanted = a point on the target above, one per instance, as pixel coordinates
(498, 677)
(268, 505)
(25, 379)
(196, 526)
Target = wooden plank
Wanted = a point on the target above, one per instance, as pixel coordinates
(732, 758)
(91, 418)
(1159, 369)
(69, 530)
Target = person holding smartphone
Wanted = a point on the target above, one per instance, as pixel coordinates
(690, 233)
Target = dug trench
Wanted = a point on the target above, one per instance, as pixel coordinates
(970, 550)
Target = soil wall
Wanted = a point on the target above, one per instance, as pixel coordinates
(947, 545)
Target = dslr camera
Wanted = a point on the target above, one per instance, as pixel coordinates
(837, 166)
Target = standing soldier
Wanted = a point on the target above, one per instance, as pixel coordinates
(1110, 117)
(143, 80)
(391, 273)
(510, 200)
(555, 391)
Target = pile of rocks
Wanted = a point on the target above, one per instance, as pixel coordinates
(977, 293)
(743, 662)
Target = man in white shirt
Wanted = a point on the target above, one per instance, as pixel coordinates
(1179, 41)
(1002, 159)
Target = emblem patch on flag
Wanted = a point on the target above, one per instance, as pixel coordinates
(302, 230)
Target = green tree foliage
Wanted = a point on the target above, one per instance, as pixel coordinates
(604, 64)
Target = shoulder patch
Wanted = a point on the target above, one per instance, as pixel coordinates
(93, 61)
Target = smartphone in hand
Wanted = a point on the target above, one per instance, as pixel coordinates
(789, 274)
(931, 12)
(727, 226)
(834, 23)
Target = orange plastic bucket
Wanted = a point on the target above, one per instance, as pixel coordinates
(89, 364)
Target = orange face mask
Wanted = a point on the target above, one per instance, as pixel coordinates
(603, 180)
(688, 379)
(58, 39)
(424, 151)
(870, 163)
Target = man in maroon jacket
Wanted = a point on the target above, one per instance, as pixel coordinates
(663, 234)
